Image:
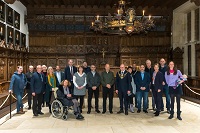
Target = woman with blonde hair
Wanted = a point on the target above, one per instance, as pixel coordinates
(64, 94)
(51, 84)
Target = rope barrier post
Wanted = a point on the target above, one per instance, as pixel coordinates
(10, 104)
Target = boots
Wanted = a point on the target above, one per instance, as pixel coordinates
(131, 108)
(179, 115)
(171, 115)
(22, 110)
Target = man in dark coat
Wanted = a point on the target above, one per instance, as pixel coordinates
(38, 89)
(28, 86)
(93, 81)
(70, 70)
(142, 81)
(123, 88)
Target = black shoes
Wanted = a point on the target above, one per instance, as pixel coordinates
(162, 109)
(97, 111)
(29, 107)
(119, 112)
(179, 117)
(157, 113)
(111, 112)
(88, 112)
(40, 113)
(138, 111)
(126, 112)
(103, 112)
(171, 116)
(145, 111)
(168, 111)
(79, 117)
(35, 114)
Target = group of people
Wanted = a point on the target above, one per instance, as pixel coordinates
(75, 82)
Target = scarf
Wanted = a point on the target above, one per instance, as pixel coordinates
(54, 80)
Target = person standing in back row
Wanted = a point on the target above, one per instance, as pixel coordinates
(28, 86)
(70, 70)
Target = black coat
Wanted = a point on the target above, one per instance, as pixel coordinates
(123, 84)
(28, 77)
(68, 75)
(93, 80)
(142, 83)
(158, 81)
(63, 98)
(38, 84)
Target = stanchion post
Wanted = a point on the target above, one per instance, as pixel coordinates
(10, 104)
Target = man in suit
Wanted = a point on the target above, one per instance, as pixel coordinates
(123, 88)
(59, 74)
(93, 81)
(28, 86)
(142, 81)
(150, 70)
(70, 70)
(37, 88)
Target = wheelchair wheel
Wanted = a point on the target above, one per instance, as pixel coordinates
(57, 109)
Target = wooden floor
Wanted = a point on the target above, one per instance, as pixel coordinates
(107, 123)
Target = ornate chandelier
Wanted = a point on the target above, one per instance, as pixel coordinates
(123, 22)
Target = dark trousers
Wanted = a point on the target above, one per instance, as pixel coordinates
(166, 92)
(81, 100)
(123, 98)
(106, 92)
(50, 100)
(29, 96)
(90, 95)
(158, 99)
(178, 100)
(37, 103)
(72, 87)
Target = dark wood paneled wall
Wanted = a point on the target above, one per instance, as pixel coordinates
(56, 49)
(9, 60)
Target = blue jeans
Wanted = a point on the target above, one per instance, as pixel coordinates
(166, 92)
(19, 104)
(144, 95)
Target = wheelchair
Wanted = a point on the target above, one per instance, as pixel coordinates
(57, 108)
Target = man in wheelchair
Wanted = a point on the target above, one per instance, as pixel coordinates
(64, 95)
